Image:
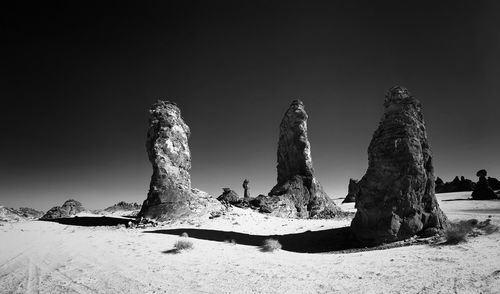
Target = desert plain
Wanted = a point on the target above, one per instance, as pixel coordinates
(49, 257)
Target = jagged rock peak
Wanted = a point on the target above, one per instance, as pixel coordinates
(399, 95)
(352, 191)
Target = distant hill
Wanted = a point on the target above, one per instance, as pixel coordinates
(123, 206)
(28, 213)
(68, 209)
(24, 213)
(8, 215)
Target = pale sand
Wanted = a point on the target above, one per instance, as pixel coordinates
(45, 257)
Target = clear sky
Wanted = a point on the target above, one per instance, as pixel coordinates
(78, 79)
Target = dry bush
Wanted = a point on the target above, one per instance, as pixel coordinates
(459, 232)
(183, 244)
(487, 227)
(270, 245)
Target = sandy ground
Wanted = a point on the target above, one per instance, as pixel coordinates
(46, 257)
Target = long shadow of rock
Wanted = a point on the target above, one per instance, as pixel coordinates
(89, 221)
(458, 199)
(306, 242)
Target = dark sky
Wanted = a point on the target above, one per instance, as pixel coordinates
(78, 79)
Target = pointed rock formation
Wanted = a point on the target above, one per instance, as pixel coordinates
(457, 185)
(396, 195)
(352, 190)
(170, 194)
(297, 193)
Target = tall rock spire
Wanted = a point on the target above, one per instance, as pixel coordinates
(298, 193)
(170, 194)
(396, 195)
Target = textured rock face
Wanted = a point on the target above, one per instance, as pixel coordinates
(123, 206)
(28, 213)
(483, 191)
(352, 191)
(170, 194)
(9, 215)
(68, 209)
(297, 193)
(396, 195)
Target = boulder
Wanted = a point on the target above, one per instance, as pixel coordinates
(229, 196)
(396, 195)
(170, 194)
(297, 194)
(352, 190)
(483, 191)
(68, 209)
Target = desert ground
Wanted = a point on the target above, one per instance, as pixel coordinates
(48, 257)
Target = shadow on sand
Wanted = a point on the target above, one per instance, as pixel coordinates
(89, 221)
(306, 242)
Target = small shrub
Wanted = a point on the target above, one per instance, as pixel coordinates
(184, 235)
(183, 244)
(487, 227)
(459, 232)
(270, 245)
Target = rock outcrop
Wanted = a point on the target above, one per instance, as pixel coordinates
(229, 196)
(352, 191)
(396, 195)
(483, 191)
(9, 215)
(297, 194)
(68, 209)
(123, 206)
(170, 194)
(457, 185)
(28, 213)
